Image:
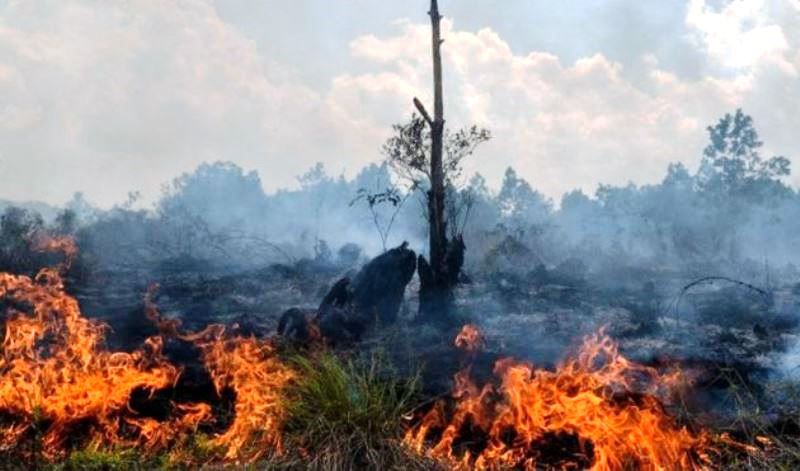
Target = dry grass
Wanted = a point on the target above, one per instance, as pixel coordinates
(767, 436)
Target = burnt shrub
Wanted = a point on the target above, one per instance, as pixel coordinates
(18, 229)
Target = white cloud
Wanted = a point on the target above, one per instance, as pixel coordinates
(123, 95)
(561, 125)
(117, 96)
(739, 35)
(567, 125)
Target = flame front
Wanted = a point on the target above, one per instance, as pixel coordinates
(257, 377)
(58, 380)
(612, 409)
(56, 375)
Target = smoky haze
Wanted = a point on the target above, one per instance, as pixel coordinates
(733, 217)
(200, 196)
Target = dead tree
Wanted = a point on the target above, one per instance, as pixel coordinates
(426, 154)
(436, 277)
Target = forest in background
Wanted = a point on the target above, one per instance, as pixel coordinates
(734, 216)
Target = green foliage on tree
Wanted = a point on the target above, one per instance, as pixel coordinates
(732, 165)
(408, 150)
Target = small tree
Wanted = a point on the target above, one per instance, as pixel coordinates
(408, 152)
(390, 196)
(520, 204)
(732, 165)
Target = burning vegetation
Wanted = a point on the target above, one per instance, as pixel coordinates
(62, 389)
(240, 369)
(59, 380)
(596, 410)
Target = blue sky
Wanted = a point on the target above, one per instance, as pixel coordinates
(118, 96)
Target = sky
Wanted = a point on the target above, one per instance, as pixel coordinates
(109, 97)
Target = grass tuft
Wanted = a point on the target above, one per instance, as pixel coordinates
(101, 460)
(347, 414)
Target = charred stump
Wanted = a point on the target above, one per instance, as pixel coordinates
(352, 307)
(436, 287)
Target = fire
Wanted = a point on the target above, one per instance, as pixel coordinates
(57, 377)
(252, 370)
(469, 338)
(609, 408)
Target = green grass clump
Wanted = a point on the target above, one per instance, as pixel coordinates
(194, 451)
(102, 460)
(348, 415)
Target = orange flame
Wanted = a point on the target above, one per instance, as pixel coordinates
(251, 368)
(65, 245)
(469, 338)
(613, 407)
(55, 373)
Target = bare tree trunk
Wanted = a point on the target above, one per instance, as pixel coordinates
(438, 237)
(438, 277)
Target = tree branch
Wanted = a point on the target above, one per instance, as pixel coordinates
(423, 111)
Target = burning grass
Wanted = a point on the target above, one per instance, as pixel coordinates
(63, 390)
(596, 410)
(69, 403)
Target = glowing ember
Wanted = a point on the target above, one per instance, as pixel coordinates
(469, 338)
(597, 409)
(56, 375)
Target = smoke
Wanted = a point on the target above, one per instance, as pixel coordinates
(619, 256)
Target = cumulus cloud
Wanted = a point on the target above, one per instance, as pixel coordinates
(561, 125)
(739, 35)
(576, 124)
(117, 96)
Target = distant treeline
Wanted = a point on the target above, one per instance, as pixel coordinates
(733, 215)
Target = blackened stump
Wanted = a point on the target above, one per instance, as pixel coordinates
(436, 288)
(352, 307)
